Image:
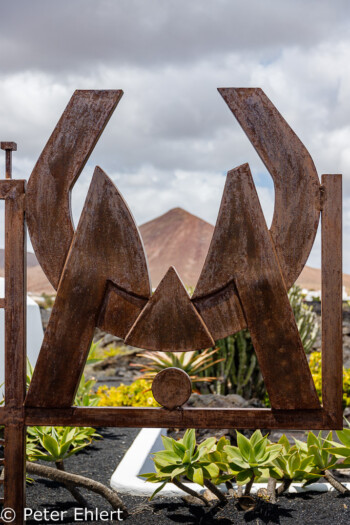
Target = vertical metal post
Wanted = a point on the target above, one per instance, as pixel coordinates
(8, 147)
(15, 346)
(332, 315)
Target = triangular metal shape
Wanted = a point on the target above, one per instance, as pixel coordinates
(169, 316)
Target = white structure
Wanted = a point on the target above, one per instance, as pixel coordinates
(137, 460)
(311, 295)
(35, 333)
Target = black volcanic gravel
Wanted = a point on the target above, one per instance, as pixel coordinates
(100, 460)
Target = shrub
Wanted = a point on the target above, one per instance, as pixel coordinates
(55, 444)
(214, 462)
(138, 394)
(193, 363)
(316, 371)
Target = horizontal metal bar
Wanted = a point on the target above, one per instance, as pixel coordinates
(133, 417)
(183, 418)
(10, 187)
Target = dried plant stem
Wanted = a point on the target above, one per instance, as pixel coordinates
(215, 490)
(80, 481)
(229, 487)
(286, 483)
(271, 489)
(335, 483)
(71, 488)
(249, 485)
(189, 491)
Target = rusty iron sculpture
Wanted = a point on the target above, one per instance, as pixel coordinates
(101, 277)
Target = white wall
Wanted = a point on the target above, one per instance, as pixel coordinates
(35, 333)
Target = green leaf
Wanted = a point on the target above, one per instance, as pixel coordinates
(179, 449)
(256, 437)
(167, 442)
(187, 457)
(233, 452)
(177, 472)
(301, 445)
(214, 457)
(312, 440)
(189, 440)
(147, 475)
(167, 455)
(236, 466)
(198, 476)
(343, 452)
(344, 436)
(222, 443)
(260, 448)
(284, 442)
(158, 489)
(317, 456)
(211, 471)
(244, 446)
(64, 448)
(305, 462)
(51, 445)
(169, 469)
(207, 443)
(243, 477)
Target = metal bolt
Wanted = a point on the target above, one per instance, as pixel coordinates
(8, 147)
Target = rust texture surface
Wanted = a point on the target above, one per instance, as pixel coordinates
(15, 342)
(101, 276)
(59, 165)
(241, 251)
(169, 321)
(297, 205)
(297, 202)
(172, 387)
(332, 292)
(105, 243)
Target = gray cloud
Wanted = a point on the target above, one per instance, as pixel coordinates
(81, 34)
(172, 138)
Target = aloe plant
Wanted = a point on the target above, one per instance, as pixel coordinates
(324, 453)
(186, 458)
(55, 444)
(291, 465)
(250, 457)
(193, 363)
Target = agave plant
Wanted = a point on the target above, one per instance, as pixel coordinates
(54, 444)
(193, 363)
(186, 458)
(325, 454)
(248, 460)
(293, 464)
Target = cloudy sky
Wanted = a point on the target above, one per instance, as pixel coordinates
(172, 139)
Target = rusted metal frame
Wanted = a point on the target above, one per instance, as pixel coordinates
(331, 304)
(241, 229)
(157, 417)
(8, 147)
(105, 242)
(15, 348)
(179, 418)
(58, 167)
